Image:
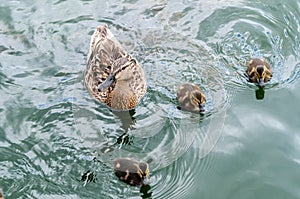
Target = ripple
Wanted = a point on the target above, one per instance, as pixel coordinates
(173, 181)
(254, 32)
(159, 103)
(157, 132)
(51, 129)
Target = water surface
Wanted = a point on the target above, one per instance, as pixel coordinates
(53, 134)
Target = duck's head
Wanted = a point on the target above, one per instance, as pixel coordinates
(118, 75)
(118, 88)
(259, 71)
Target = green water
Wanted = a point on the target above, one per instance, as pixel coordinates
(242, 147)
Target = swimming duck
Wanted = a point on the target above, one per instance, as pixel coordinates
(259, 71)
(191, 97)
(112, 76)
(131, 171)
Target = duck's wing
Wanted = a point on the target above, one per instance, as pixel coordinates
(138, 81)
(104, 48)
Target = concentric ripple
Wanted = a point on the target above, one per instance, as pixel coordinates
(158, 132)
(255, 31)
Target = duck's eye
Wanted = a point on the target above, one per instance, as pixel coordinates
(110, 77)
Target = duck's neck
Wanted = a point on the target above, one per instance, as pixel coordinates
(122, 97)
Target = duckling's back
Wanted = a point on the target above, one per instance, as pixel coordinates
(190, 97)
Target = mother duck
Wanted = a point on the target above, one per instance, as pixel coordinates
(112, 76)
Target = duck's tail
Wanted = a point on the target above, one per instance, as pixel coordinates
(99, 35)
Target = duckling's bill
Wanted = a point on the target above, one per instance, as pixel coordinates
(202, 107)
(261, 82)
(145, 180)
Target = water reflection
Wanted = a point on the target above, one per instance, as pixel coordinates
(260, 93)
(51, 129)
(88, 177)
(146, 192)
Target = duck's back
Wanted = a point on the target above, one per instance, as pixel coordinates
(104, 50)
(106, 56)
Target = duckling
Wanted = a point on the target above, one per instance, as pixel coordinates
(191, 97)
(112, 76)
(131, 171)
(259, 71)
(1, 194)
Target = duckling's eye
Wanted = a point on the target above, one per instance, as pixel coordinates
(251, 75)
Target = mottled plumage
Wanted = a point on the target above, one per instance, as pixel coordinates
(1, 194)
(112, 76)
(190, 97)
(131, 171)
(259, 71)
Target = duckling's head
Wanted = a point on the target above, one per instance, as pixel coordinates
(131, 171)
(144, 172)
(199, 98)
(191, 98)
(259, 71)
(258, 75)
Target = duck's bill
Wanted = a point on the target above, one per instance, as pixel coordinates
(107, 83)
(261, 82)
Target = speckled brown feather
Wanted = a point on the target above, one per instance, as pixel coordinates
(189, 96)
(106, 56)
